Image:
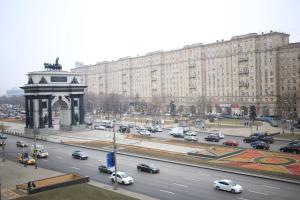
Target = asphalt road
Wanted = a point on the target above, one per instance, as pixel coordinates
(176, 182)
(274, 147)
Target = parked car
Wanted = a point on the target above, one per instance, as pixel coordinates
(212, 138)
(231, 143)
(158, 129)
(260, 145)
(254, 138)
(25, 158)
(80, 155)
(217, 133)
(144, 132)
(148, 168)
(99, 127)
(191, 138)
(105, 169)
(228, 185)
(293, 147)
(122, 178)
(124, 129)
(21, 144)
(151, 129)
(190, 133)
(273, 123)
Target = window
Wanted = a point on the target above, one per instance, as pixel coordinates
(44, 104)
(75, 103)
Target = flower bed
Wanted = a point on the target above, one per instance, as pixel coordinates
(263, 161)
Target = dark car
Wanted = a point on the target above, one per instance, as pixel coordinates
(231, 143)
(151, 129)
(212, 138)
(254, 138)
(105, 169)
(293, 147)
(260, 145)
(3, 137)
(21, 144)
(259, 133)
(148, 168)
(80, 155)
(124, 129)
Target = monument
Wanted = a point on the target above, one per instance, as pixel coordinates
(54, 99)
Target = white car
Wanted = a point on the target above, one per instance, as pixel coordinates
(100, 127)
(145, 132)
(122, 178)
(191, 138)
(190, 133)
(227, 185)
(217, 133)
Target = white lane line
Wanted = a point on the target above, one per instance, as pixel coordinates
(89, 164)
(75, 168)
(258, 192)
(45, 160)
(58, 157)
(180, 185)
(241, 198)
(167, 192)
(196, 180)
(271, 187)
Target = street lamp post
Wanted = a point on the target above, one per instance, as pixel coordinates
(3, 145)
(115, 160)
(35, 150)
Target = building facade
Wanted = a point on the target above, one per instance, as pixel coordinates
(221, 77)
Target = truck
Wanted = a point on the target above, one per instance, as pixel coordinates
(40, 150)
(177, 132)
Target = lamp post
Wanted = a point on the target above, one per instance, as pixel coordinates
(3, 144)
(35, 150)
(115, 159)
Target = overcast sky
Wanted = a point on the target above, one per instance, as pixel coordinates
(33, 32)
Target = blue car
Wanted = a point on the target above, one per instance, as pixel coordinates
(260, 145)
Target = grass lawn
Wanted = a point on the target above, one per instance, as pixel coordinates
(290, 136)
(77, 192)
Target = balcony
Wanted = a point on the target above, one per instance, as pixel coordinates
(243, 84)
(244, 72)
(243, 59)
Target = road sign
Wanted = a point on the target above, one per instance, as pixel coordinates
(110, 159)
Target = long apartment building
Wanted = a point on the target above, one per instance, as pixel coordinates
(224, 76)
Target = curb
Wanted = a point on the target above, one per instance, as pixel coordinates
(180, 163)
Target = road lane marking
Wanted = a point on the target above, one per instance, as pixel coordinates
(167, 192)
(271, 187)
(241, 198)
(258, 192)
(58, 157)
(190, 179)
(45, 160)
(75, 168)
(180, 185)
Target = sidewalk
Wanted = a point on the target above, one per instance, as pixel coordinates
(12, 173)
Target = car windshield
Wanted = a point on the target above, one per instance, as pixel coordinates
(124, 175)
(43, 151)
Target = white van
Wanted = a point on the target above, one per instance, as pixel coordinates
(41, 151)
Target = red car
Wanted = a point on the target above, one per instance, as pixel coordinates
(231, 143)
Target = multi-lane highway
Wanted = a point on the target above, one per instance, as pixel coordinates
(173, 182)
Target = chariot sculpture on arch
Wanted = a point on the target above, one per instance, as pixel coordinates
(55, 66)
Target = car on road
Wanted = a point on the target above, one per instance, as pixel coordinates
(217, 133)
(124, 129)
(80, 155)
(158, 129)
(3, 137)
(212, 138)
(231, 143)
(273, 123)
(292, 147)
(190, 138)
(253, 138)
(228, 185)
(190, 133)
(260, 145)
(21, 144)
(105, 169)
(25, 158)
(151, 168)
(144, 132)
(122, 178)
(99, 127)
